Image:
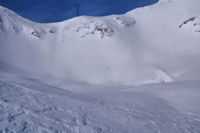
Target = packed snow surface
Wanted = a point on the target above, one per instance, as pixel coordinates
(132, 73)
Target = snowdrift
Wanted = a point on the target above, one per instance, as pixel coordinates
(153, 44)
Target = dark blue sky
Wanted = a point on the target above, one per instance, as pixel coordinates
(58, 10)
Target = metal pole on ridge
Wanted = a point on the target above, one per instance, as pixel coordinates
(77, 5)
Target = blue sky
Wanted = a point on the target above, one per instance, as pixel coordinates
(59, 10)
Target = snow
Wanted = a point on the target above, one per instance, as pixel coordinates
(29, 105)
(116, 43)
(54, 11)
(146, 38)
(136, 72)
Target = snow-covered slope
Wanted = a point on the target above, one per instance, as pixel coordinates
(59, 10)
(31, 106)
(72, 76)
(147, 45)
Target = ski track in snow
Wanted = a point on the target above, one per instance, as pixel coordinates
(23, 108)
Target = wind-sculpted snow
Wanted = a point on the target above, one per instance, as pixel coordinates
(35, 107)
(137, 72)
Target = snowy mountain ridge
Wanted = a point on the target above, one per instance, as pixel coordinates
(75, 24)
(131, 73)
(109, 45)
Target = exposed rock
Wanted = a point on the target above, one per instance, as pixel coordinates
(189, 20)
(1, 27)
(103, 30)
(91, 28)
(1, 24)
(52, 30)
(15, 29)
(125, 21)
(83, 27)
(191, 25)
(36, 34)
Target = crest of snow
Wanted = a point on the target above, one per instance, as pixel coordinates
(117, 49)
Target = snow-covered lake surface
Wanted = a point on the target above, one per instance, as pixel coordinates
(132, 73)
